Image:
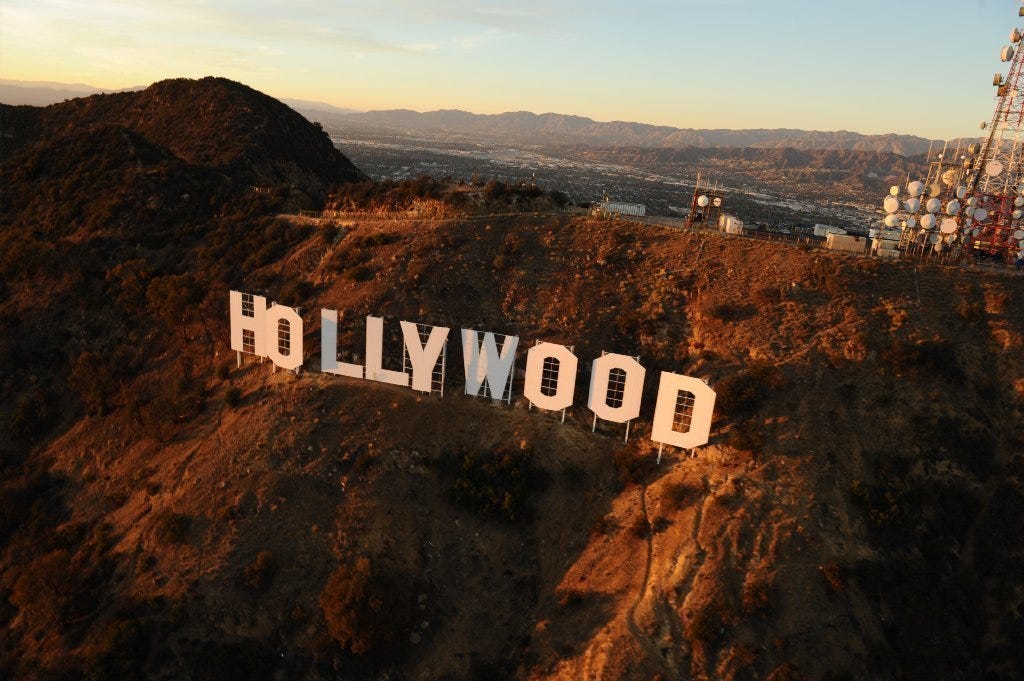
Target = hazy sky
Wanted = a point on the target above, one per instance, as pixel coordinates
(909, 66)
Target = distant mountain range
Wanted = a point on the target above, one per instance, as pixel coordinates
(525, 126)
(566, 129)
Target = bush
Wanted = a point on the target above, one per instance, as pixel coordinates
(233, 396)
(171, 527)
(363, 610)
(32, 414)
(495, 483)
(260, 572)
(744, 391)
(768, 295)
(297, 292)
(362, 272)
(633, 467)
(94, 381)
(677, 494)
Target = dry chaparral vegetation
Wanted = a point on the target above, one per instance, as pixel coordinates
(164, 514)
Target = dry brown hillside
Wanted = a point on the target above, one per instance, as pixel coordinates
(858, 513)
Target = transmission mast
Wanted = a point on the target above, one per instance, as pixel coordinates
(974, 196)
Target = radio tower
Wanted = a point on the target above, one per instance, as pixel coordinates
(973, 198)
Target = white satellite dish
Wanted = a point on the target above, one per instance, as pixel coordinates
(953, 207)
(934, 238)
(948, 226)
(981, 215)
(913, 205)
(973, 201)
(703, 201)
(928, 221)
(1015, 35)
(950, 238)
(1021, 243)
(1018, 234)
(975, 232)
(894, 191)
(1007, 53)
(1019, 201)
(933, 206)
(934, 189)
(1017, 214)
(911, 222)
(993, 168)
(717, 201)
(892, 221)
(915, 188)
(961, 192)
(891, 204)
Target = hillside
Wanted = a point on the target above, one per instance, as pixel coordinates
(212, 122)
(554, 128)
(165, 514)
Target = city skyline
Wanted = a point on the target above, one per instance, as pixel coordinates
(922, 68)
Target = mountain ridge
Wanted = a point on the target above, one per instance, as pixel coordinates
(568, 128)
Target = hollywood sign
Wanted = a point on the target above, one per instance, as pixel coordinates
(616, 381)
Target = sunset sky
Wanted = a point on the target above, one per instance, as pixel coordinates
(914, 66)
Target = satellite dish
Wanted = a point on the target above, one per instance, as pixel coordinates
(973, 201)
(961, 192)
(953, 207)
(1019, 201)
(993, 168)
(949, 177)
(1021, 243)
(1017, 214)
(1018, 234)
(984, 124)
(950, 238)
(933, 206)
(975, 232)
(980, 215)
(913, 205)
(934, 238)
(915, 188)
(892, 221)
(717, 201)
(911, 222)
(1015, 35)
(934, 189)
(928, 221)
(1007, 53)
(703, 201)
(891, 204)
(894, 191)
(948, 226)
(974, 149)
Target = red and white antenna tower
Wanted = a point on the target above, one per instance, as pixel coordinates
(973, 197)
